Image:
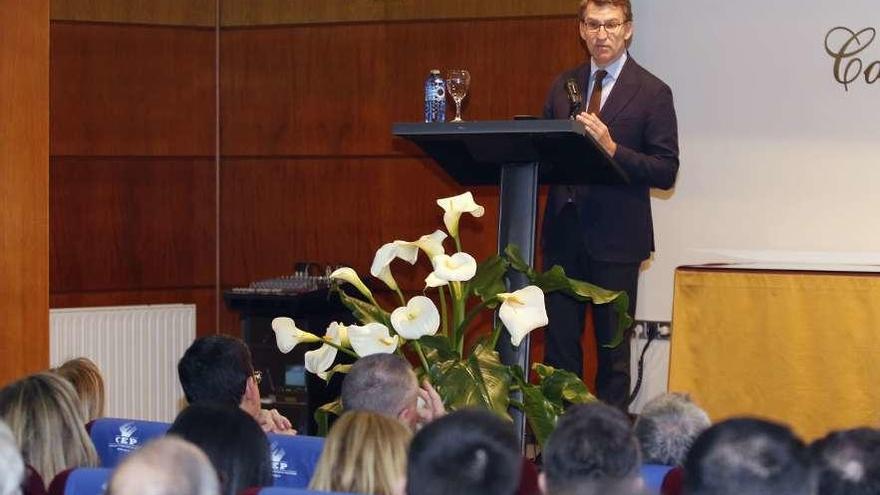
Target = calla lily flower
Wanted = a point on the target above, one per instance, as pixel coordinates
(372, 338)
(460, 267)
(522, 311)
(456, 205)
(418, 318)
(434, 281)
(320, 360)
(381, 267)
(348, 275)
(287, 335)
(432, 244)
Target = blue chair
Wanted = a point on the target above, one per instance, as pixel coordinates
(294, 459)
(81, 481)
(296, 491)
(115, 438)
(653, 475)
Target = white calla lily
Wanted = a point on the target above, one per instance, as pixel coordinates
(454, 206)
(434, 281)
(320, 360)
(288, 336)
(522, 311)
(460, 267)
(432, 244)
(346, 274)
(381, 267)
(418, 318)
(372, 338)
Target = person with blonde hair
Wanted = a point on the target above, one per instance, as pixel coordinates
(85, 376)
(166, 466)
(44, 415)
(365, 452)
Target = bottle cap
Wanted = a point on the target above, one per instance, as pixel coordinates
(435, 71)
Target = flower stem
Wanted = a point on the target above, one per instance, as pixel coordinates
(444, 316)
(400, 295)
(418, 348)
(343, 349)
(496, 333)
(457, 244)
(474, 312)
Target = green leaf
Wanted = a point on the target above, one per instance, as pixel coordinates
(489, 279)
(541, 413)
(364, 311)
(480, 381)
(437, 348)
(323, 413)
(561, 386)
(517, 262)
(555, 279)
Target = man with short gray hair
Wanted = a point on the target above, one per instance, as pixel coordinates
(166, 466)
(667, 427)
(386, 384)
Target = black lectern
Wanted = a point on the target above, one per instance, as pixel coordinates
(518, 155)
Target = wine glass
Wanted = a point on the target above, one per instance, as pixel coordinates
(457, 83)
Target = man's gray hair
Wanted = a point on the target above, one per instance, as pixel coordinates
(166, 466)
(381, 383)
(11, 464)
(667, 427)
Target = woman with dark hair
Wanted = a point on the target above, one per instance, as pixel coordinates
(233, 441)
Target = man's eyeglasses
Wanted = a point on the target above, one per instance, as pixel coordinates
(611, 27)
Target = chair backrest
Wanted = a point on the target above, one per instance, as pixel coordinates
(81, 481)
(115, 438)
(274, 490)
(294, 458)
(653, 475)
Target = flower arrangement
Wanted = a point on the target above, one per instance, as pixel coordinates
(435, 332)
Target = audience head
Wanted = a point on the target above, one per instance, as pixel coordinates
(86, 379)
(218, 369)
(748, 457)
(384, 384)
(667, 427)
(365, 452)
(166, 466)
(11, 465)
(234, 442)
(468, 452)
(592, 450)
(45, 418)
(848, 462)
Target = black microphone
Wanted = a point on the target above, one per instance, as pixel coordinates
(575, 99)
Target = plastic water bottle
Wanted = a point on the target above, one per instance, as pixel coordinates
(435, 97)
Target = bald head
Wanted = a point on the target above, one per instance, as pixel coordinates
(167, 466)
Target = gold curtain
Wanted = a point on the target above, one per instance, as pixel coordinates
(797, 347)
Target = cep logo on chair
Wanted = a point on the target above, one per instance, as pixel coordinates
(126, 438)
(279, 466)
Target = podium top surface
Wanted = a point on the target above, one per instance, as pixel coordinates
(474, 153)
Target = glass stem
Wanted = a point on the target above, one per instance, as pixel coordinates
(457, 110)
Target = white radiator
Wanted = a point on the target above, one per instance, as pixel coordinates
(136, 348)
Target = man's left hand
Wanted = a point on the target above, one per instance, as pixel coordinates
(599, 131)
(271, 421)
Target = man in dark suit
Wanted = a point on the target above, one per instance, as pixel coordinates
(602, 234)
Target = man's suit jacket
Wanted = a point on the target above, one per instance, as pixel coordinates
(616, 220)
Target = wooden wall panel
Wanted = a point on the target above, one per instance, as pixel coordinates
(266, 12)
(24, 187)
(132, 223)
(336, 89)
(169, 12)
(132, 90)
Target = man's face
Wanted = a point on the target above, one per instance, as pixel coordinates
(605, 45)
